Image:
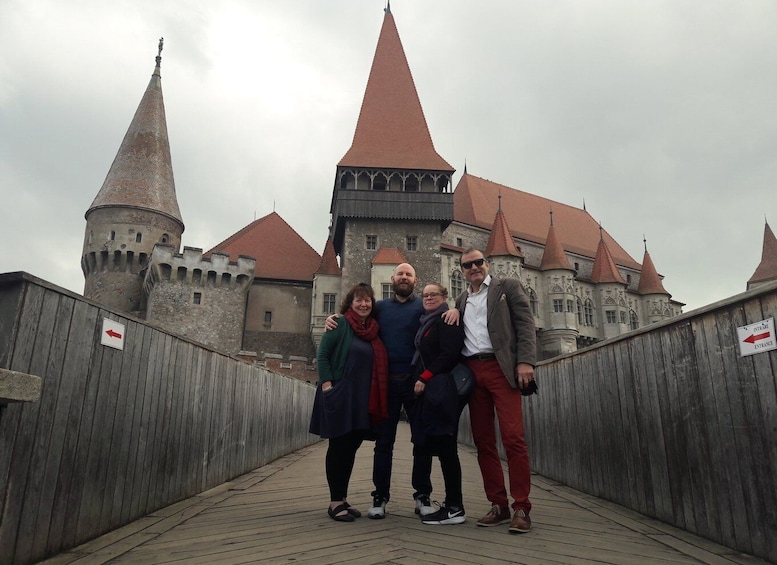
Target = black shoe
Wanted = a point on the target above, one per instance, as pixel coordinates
(423, 506)
(446, 515)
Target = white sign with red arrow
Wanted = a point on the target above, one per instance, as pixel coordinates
(757, 338)
(112, 334)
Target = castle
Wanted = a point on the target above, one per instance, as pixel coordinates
(393, 201)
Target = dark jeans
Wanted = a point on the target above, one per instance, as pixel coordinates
(400, 393)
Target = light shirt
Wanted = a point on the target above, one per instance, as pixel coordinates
(476, 338)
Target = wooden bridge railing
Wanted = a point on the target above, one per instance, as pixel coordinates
(670, 421)
(118, 434)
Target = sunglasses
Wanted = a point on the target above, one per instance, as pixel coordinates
(476, 262)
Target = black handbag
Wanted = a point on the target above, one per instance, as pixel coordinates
(463, 378)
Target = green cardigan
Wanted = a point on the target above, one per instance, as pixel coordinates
(333, 351)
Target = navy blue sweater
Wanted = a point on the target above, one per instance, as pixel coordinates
(399, 322)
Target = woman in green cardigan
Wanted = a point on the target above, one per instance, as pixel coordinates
(351, 393)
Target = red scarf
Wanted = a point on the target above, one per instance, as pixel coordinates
(368, 331)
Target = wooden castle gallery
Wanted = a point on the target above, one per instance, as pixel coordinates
(393, 201)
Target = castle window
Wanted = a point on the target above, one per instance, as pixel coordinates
(379, 182)
(611, 317)
(412, 243)
(113, 235)
(457, 285)
(459, 242)
(385, 290)
(558, 305)
(267, 319)
(628, 279)
(589, 312)
(579, 312)
(577, 266)
(164, 239)
(634, 321)
(329, 303)
(182, 275)
(570, 306)
(623, 317)
(372, 243)
(91, 235)
(411, 184)
(197, 298)
(138, 237)
(197, 276)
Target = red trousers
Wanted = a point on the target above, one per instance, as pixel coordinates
(493, 392)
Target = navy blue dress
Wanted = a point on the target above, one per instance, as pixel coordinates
(345, 407)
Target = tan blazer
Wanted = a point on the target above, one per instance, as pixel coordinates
(510, 324)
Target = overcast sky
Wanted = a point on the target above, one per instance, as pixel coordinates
(660, 115)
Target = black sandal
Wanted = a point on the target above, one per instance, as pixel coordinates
(352, 511)
(334, 513)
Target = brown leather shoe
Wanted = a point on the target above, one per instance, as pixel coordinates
(520, 524)
(496, 516)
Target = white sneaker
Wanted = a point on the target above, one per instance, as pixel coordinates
(378, 509)
(423, 507)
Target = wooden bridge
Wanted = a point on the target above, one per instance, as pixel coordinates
(659, 446)
(276, 514)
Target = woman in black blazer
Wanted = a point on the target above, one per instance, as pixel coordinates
(434, 420)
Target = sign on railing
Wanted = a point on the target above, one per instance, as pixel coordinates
(757, 337)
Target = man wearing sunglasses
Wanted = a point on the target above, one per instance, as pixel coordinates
(500, 348)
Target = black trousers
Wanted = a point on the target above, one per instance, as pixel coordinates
(340, 457)
(446, 448)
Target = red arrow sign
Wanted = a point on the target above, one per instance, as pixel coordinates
(756, 337)
(112, 333)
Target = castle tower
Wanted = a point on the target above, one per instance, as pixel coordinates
(655, 299)
(135, 208)
(767, 268)
(391, 188)
(611, 292)
(560, 329)
(203, 299)
(326, 291)
(503, 256)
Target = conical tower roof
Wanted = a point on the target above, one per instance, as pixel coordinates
(329, 264)
(141, 175)
(553, 256)
(649, 281)
(767, 269)
(391, 131)
(500, 242)
(604, 269)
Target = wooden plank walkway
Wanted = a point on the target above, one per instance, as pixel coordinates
(276, 514)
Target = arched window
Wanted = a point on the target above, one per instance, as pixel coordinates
(579, 312)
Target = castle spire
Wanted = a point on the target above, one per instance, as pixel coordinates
(649, 280)
(605, 270)
(553, 256)
(141, 175)
(391, 131)
(500, 242)
(767, 268)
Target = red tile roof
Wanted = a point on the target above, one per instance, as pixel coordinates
(767, 269)
(392, 131)
(329, 265)
(475, 202)
(500, 242)
(280, 252)
(553, 256)
(141, 175)
(388, 256)
(604, 269)
(649, 281)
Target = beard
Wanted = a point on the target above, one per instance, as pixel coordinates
(403, 289)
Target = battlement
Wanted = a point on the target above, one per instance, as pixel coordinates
(191, 268)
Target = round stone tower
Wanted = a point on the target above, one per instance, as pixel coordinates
(135, 208)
